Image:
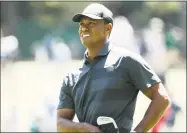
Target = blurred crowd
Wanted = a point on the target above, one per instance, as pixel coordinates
(152, 42)
(162, 48)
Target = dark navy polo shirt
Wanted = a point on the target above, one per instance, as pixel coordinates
(107, 86)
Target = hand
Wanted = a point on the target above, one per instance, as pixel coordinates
(89, 128)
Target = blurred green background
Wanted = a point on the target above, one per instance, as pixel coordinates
(31, 21)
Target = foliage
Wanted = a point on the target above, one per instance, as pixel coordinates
(164, 7)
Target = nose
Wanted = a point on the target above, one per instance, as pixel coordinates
(84, 28)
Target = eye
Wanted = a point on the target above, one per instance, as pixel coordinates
(91, 23)
(81, 24)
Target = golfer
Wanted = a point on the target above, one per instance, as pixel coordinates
(108, 82)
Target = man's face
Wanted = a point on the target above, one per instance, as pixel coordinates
(92, 31)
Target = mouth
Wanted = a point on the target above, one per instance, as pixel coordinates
(85, 35)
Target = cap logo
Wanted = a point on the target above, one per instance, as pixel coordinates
(101, 14)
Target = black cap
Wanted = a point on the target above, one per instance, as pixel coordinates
(95, 11)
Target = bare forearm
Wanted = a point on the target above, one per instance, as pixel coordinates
(65, 125)
(154, 112)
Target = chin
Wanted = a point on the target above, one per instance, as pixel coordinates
(87, 43)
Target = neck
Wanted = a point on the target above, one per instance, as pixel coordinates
(94, 51)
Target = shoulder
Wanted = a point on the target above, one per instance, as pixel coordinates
(72, 72)
(126, 55)
(128, 59)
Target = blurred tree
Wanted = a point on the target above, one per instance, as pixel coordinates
(164, 7)
(9, 11)
(124, 8)
(55, 13)
(32, 20)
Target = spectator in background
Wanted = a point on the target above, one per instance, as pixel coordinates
(176, 47)
(9, 49)
(52, 49)
(56, 49)
(60, 50)
(156, 48)
(154, 42)
(123, 34)
(39, 51)
(35, 127)
(44, 118)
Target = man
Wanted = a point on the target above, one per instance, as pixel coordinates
(108, 82)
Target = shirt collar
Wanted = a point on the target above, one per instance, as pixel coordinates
(105, 50)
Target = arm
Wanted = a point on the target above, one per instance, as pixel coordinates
(65, 123)
(160, 102)
(146, 80)
(65, 113)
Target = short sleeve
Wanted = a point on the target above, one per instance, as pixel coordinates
(65, 98)
(141, 74)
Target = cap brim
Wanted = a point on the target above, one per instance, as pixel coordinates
(77, 17)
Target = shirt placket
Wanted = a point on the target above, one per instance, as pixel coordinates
(86, 88)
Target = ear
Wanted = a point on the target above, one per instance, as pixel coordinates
(109, 28)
